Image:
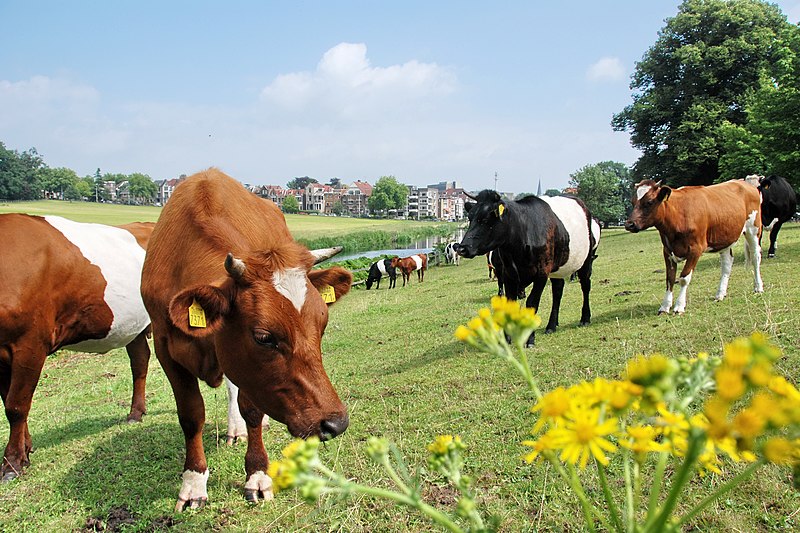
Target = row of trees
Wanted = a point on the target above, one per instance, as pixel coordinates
(25, 176)
(717, 96)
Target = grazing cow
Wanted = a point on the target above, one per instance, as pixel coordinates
(384, 267)
(694, 220)
(533, 239)
(232, 294)
(69, 285)
(407, 265)
(450, 255)
(778, 205)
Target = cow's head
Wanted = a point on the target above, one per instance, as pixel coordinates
(765, 183)
(487, 220)
(647, 198)
(267, 316)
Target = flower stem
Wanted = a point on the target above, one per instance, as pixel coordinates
(612, 507)
(658, 522)
(637, 488)
(393, 474)
(744, 474)
(629, 510)
(432, 513)
(655, 489)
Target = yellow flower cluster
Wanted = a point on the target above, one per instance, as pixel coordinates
(505, 315)
(752, 401)
(591, 419)
(298, 458)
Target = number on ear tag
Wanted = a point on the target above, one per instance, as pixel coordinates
(328, 294)
(197, 317)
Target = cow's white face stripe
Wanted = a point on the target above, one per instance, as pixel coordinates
(291, 283)
(120, 258)
(641, 191)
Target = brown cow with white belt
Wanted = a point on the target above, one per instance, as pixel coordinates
(694, 220)
(231, 294)
(66, 284)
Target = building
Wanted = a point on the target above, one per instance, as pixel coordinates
(166, 188)
(355, 199)
(451, 205)
(423, 202)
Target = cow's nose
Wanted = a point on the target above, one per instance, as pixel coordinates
(630, 226)
(334, 426)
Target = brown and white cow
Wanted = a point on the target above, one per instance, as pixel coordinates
(69, 285)
(407, 265)
(232, 294)
(694, 220)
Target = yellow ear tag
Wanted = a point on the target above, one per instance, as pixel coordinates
(197, 317)
(500, 209)
(328, 294)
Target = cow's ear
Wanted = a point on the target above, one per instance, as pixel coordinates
(664, 193)
(468, 206)
(499, 210)
(334, 281)
(200, 311)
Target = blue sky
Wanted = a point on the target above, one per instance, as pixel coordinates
(423, 90)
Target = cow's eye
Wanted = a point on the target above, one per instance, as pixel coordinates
(265, 338)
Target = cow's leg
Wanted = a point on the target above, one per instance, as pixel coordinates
(378, 282)
(751, 235)
(139, 354)
(500, 291)
(773, 238)
(392, 281)
(726, 265)
(533, 300)
(557, 286)
(684, 281)
(671, 268)
(18, 385)
(585, 278)
(236, 424)
(191, 415)
(258, 484)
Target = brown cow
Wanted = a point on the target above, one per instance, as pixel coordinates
(224, 257)
(407, 265)
(695, 220)
(66, 285)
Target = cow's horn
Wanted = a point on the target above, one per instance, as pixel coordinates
(468, 195)
(324, 254)
(235, 267)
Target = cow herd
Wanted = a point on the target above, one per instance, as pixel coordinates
(229, 295)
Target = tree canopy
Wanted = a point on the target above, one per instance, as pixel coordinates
(605, 188)
(388, 194)
(693, 84)
(290, 205)
(20, 174)
(300, 183)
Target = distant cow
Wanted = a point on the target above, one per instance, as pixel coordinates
(450, 255)
(778, 205)
(534, 239)
(69, 285)
(407, 265)
(694, 220)
(231, 293)
(381, 268)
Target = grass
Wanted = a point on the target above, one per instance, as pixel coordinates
(354, 234)
(392, 356)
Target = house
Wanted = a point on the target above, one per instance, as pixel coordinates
(355, 199)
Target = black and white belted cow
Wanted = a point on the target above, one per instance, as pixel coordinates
(535, 239)
(381, 268)
(778, 205)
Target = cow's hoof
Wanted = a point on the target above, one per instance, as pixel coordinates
(770, 256)
(660, 312)
(230, 440)
(548, 331)
(584, 323)
(9, 476)
(258, 487)
(196, 503)
(679, 313)
(134, 417)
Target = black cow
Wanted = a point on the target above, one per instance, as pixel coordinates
(381, 268)
(778, 205)
(534, 239)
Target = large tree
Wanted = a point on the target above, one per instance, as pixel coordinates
(142, 187)
(769, 140)
(300, 183)
(20, 174)
(388, 194)
(695, 80)
(605, 188)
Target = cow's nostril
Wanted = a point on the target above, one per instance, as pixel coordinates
(334, 426)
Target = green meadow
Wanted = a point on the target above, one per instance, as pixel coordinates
(392, 356)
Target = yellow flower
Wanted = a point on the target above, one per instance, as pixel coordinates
(463, 333)
(584, 435)
(780, 451)
(553, 406)
(781, 387)
(445, 443)
(644, 370)
(283, 473)
(484, 313)
(641, 439)
(760, 373)
(738, 353)
(767, 406)
(475, 324)
(540, 445)
(708, 459)
(730, 385)
(716, 412)
(671, 424)
(749, 424)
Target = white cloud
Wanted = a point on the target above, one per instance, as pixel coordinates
(606, 69)
(346, 85)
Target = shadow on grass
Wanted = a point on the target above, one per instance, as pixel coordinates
(429, 357)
